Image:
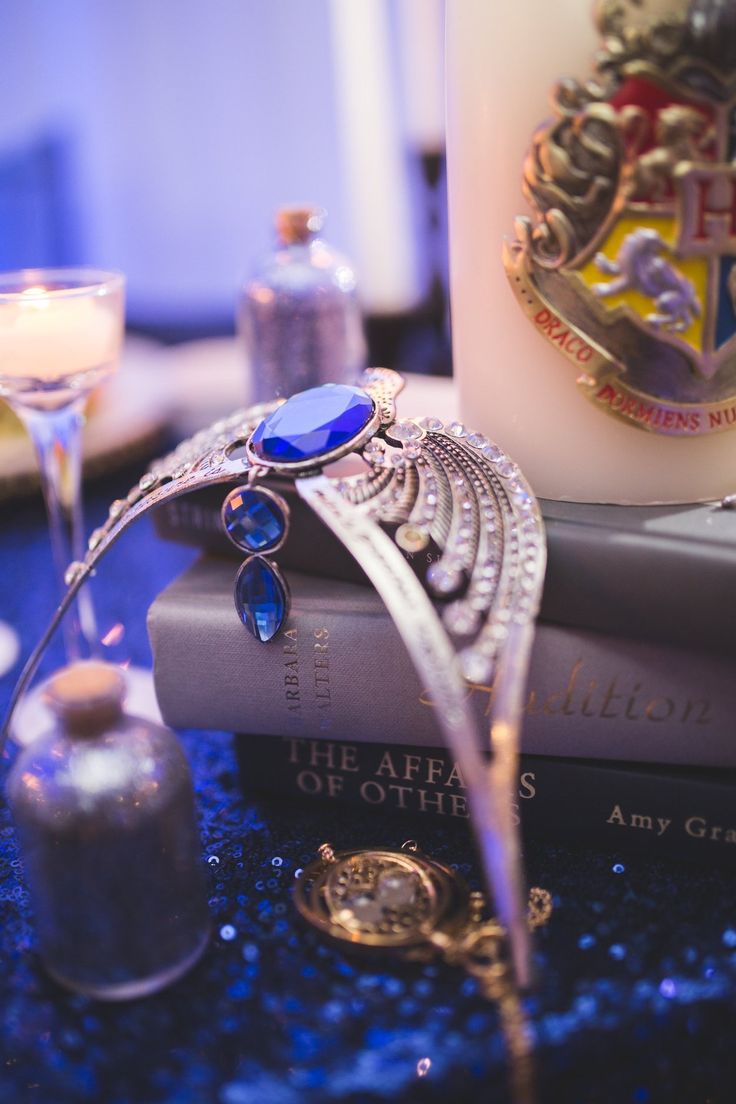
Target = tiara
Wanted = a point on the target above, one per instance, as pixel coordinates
(467, 616)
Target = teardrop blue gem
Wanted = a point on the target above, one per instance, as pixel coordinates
(260, 598)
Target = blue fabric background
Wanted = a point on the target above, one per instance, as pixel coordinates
(637, 967)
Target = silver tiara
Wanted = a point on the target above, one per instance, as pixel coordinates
(425, 484)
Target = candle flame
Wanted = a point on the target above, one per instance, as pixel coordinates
(35, 296)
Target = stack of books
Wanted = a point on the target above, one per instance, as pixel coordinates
(628, 737)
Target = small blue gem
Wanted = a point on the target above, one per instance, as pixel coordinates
(312, 423)
(260, 599)
(254, 521)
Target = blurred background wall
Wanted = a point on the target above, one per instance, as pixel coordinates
(158, 136)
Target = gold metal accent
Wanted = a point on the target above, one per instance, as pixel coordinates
(411, 539)
(326, 853)
(403, 901)
(540, 907)
(626, 265)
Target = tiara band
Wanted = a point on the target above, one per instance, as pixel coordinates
(468, 618)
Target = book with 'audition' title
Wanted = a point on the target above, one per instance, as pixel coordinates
(339, 671)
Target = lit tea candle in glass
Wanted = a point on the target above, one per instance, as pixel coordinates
(61, 331)
(599, 352)
(54, 344)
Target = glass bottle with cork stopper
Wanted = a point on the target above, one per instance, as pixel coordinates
(104, 809)
(299, 315)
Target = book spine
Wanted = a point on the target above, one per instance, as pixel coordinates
(556, 800)
(599, 564)
(195, 520)
(339, 670)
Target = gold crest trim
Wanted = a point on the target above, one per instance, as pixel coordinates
(628, 265)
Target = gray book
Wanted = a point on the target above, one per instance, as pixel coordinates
(658, 573)
(340, 670)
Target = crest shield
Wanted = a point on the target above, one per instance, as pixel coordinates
(629, 263)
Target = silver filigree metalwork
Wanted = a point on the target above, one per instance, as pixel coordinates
(469, 617)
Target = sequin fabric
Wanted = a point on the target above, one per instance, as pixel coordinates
(637, 967)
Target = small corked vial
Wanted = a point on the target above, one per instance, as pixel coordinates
(300, 224)
(104, 808)
(298, 316)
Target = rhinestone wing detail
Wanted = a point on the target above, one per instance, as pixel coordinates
(459, 502)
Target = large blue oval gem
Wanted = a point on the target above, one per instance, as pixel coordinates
(254, 519)
(260, 598)
(312, 423)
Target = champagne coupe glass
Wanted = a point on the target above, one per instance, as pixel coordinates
(61, 330)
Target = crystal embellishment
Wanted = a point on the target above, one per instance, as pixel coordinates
(312, 423)
(260, 598)
(443, 580)
(254, 519)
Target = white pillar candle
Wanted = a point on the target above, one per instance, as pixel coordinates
(47, 337)
(503, 59)
(421, 37)
(373, 158)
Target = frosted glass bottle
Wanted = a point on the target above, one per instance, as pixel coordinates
(299, 315)
(104, 809)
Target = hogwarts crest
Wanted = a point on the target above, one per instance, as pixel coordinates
(628, 264)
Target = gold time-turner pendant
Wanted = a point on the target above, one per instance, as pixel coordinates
(406, 903)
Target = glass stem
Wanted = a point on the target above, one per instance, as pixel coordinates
(57, 439)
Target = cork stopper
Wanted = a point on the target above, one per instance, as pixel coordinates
(86, 696)
(299, 224)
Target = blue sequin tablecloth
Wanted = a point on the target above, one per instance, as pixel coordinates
(636, 995)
